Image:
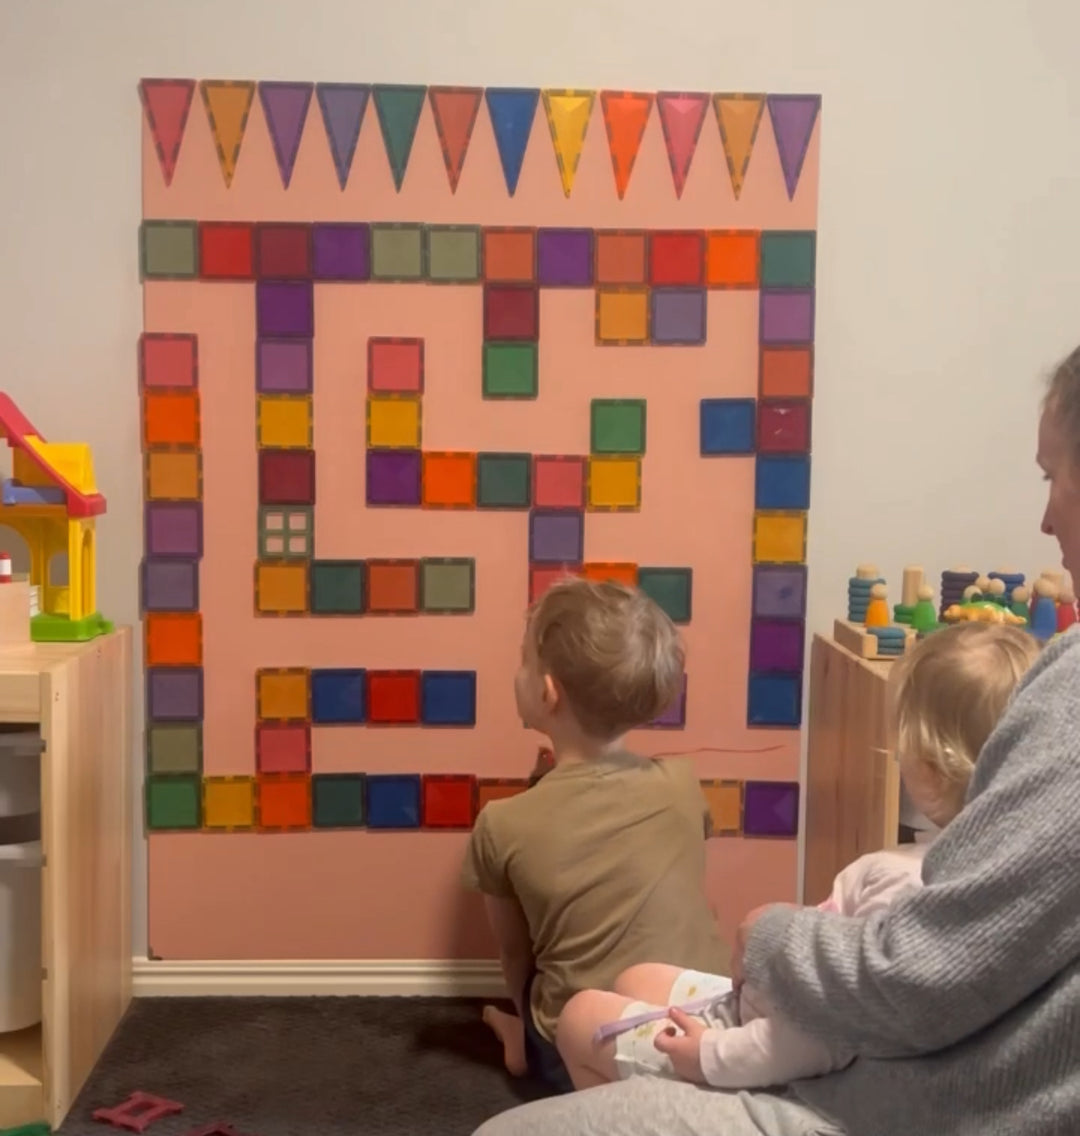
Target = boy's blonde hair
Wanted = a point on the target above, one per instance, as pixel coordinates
(951, 690)
(615, 654)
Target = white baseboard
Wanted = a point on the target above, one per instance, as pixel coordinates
(157, 978)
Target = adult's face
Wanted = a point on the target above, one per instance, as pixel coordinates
(1058, 459)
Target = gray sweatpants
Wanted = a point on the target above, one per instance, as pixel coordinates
(654, 1106)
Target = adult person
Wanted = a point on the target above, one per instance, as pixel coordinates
(962, 999)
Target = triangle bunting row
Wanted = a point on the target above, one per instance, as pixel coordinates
(512, 112)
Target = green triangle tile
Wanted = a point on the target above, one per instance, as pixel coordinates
(398, 108)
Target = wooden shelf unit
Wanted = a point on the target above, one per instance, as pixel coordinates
(79, 696)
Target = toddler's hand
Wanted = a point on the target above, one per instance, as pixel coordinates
(683, 1049)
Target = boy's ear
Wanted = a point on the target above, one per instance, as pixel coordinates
(552, 694)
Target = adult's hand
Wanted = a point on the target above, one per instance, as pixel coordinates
(742, 936)
(684, 1049)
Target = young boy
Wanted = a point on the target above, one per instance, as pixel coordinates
(601, 864)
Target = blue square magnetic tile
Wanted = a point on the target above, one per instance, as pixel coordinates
(448, 698)
(393, 800)
(782, 482)
(774, 700)
(337, 697)
(728, 425)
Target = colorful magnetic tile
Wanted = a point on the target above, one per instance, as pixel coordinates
(282, 747)
(337, 587)
(285, 308)
(168, 361)
(613, 483)
(556, 536)
(341, 251)
(543, 576)
(283, 251)
(558, 481)
(169, 585)
(677, 258)
(397, 252)
(727, 425)
(281, 587)
(393, 421)
(173, 748)
(393, 698)
(782, 482)
(228, 803)
(784, 426)
(498, 789)
(674, 717)
(779, 591)
(284, 422)
(786, 372)
(510, 370)
(621, 258)
(564, 258)
(725, 800)
(510, 256)
(678, 316)
(511, 311)
(622, 316)
(337, 800)
(453, 254)
(285, 533)
(173, 803)
(393, 477)
(395, 366)
(448, 800)
(503, 481)
(788, 259)
(225, 250)
(617, 425)
(173, 639)
(787, 316)
(174, 694)
(732, 258)
(174, 528)
(448, 698)
(284, 802)
(617, 572)
(282, 694)
(779, 538)
(393, 587)
(448, 480)
(774, 700)
(770, 808)
(669, 588)
(173, 475)
(169, 250)
(393, 800)
(447, 585)
(776, 646)
(137, 1113)
(283, 366)
(338, 696)
(170, 418)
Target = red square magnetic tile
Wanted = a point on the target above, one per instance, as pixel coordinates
(511, 312)
(283, 252)
(225, 250)
(287, 477)
(677, 258)
(282, 747)
(393, 697)
(448, 801)
(783, 426)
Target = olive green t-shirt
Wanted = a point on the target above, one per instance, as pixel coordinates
(607, 860)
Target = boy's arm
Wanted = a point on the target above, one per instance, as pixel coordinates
(764, 1052)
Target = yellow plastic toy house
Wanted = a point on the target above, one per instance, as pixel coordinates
(51, 501)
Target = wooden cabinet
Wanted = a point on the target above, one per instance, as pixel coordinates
(79, 696)
(852, 780)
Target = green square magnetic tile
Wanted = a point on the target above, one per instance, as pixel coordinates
(503, 481)
(337, 587)
(447, 585)
(510, 370)
(397, 252)
(617, 426)
(453, 254)
(168, 250)
(788, 259)
(670, 589)
(173, 802)
(337, 800)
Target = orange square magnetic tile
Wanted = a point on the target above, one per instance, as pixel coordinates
(173, 475)
(284, 801)
(393, 586)
(619, 573)
(173, 639)
(170, 418)
(732, 258)
(498, 789)
(621, 257)
(725, 801)
(282, 694)
(509, 255)
(281, 587)
(787, 372)
(448, 480)
(228, 802)
(622, 315)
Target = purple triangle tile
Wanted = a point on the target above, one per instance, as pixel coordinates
(343, 106)
(793, 118)
(285, 106)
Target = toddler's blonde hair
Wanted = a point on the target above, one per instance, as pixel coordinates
(950, 691)
(614, 652)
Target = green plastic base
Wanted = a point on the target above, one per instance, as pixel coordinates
(45, 628)
(27, 1130)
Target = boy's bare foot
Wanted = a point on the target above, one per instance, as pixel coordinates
(510, 1030)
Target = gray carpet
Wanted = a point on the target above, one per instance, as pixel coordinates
(305, 1067)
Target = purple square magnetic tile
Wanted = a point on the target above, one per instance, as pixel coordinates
(556, 536)
(283, 366)
(788, 316)
(770, 808)
(285, 308)
(564, 258)
(678, 315)
(393, 477)
(342, 251)
(170, 585)
(776, 646)
(174, 694)
(174, 528)
(674, 717)
(780, 591)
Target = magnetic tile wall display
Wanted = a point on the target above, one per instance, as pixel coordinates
(410, 355)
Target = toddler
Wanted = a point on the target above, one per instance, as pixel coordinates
(600, 865)
(948, 694)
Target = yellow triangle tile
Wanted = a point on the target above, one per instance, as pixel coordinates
(568, 114)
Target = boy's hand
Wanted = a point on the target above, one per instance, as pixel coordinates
(685, 1049)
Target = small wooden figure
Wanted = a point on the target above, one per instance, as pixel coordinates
(1044, 610)
(995, 591)
(877, 611)
(926, 616)
(1019, 605)
(1066, 611)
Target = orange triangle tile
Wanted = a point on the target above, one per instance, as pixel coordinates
(454, 110)
(738, 117)
(626, 114)
(228, 105)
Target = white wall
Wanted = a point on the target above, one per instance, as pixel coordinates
(949, 260)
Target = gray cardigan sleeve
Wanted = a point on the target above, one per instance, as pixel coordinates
(998, 917)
